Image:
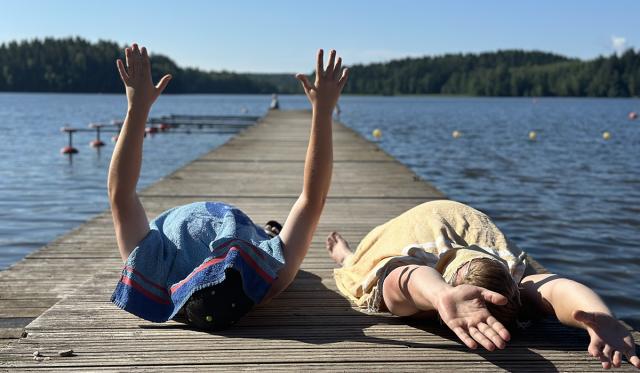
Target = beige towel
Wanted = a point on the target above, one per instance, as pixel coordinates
(429, 234)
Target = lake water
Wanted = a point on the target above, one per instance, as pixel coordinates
(570, 198)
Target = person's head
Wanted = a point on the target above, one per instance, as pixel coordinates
(493, 275)
(219, 306)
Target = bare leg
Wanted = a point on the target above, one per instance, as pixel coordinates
(338, 247)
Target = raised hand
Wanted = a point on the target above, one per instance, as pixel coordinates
(141, 93)
(463, 309)
(609, 339)
(324, 93)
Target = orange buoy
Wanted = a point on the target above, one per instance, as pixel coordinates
(69, 149)
(633, 115)
(97, 142)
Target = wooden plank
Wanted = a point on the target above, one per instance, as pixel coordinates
(309, 326)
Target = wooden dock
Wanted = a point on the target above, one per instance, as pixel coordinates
(58, 297)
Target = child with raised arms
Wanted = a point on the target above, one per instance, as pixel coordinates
(207, 262)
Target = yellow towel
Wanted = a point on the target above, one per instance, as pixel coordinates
(430, 234)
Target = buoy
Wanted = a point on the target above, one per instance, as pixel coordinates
(69, 149)
(606, 135)
(633, 115)
(97, 142)
(377, 133)
(456, 134)
(163, 127)
(533, 135)
(151, 130)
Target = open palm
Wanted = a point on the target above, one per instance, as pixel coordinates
(464, 311)
(137, 78)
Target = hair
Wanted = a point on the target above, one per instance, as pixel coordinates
(493, 275)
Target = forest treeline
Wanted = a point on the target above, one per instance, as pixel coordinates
(77, 65)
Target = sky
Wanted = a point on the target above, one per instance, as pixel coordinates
(283, 36)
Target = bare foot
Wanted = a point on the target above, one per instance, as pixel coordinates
(338, 247)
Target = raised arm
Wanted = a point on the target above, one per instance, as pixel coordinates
(304, 216)
(129, 217)
(575, 304)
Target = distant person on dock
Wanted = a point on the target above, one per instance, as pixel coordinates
(275, 104)
(445, 259)
(207, 262)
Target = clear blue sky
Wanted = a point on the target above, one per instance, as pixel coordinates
(282, 36)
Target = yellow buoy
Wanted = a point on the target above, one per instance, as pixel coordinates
(533, 135)
(456, 134)
(606, 135)
(377, 133)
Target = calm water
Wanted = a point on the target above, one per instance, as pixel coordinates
(571, 199)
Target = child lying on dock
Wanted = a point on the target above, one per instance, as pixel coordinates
(445, 259)
(207, 260)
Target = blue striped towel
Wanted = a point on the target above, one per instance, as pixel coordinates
(189, 248)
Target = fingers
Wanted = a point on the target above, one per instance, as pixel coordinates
(134, 57)
(607, 355)
(499, 328)
(337, 70)
(493, 297)
(606, 364)
(492, 335)
(128, 54)
(617, 359)
(343, 78)
(305, 82)
(320, 64)
(633, 359)
(465, 337)
(123, 72)
(596, 351)
(162, 84)
(331, 65)
(481, 338)
(145, 58)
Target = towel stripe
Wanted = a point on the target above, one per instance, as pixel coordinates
(201, 267)
(130, 282)
(138, 274)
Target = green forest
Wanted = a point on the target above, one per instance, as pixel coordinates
(77, 65)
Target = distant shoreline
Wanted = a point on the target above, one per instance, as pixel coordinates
(431, 95)
(75, 65)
